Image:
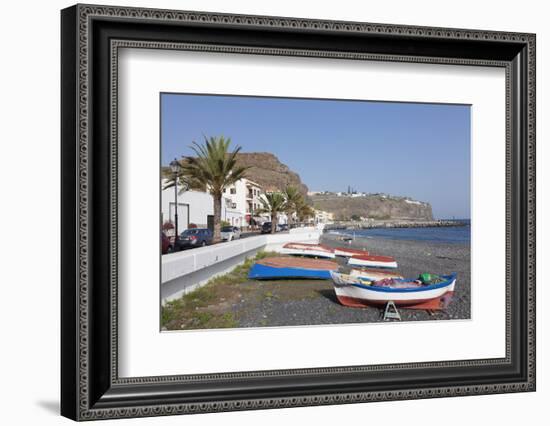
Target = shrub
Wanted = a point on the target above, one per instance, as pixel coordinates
(166, 226)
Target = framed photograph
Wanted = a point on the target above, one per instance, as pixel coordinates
(263, 212)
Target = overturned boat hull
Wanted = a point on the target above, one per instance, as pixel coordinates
(289, 268)
(350, 291)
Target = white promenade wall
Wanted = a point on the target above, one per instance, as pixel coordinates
(188, 270)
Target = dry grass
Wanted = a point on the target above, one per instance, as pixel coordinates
(210, 306)
(220, 302)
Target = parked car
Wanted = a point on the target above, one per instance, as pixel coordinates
(166, 245)
(230, 233)
(266, 228)
(283, 227)
(195, 237)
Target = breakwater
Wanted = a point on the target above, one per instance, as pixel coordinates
(393, 224)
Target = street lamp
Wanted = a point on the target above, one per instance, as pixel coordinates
(175, 166)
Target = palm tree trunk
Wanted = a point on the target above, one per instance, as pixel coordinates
(288, 218)
(273, 222)
(217, 217)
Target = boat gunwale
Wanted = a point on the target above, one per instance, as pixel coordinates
(374, 258)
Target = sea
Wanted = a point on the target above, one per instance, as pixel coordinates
(444, 234)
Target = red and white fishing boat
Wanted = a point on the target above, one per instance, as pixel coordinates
(374, 274)
(348, 252)
(372, 261)
(305, 249)
(352, 291)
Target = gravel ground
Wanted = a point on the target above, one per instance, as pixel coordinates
(314, 301)
(236, 303)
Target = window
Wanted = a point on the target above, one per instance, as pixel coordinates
(233, 191)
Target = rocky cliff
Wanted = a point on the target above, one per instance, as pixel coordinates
(269, 172)
(272, 175)
(374, 206)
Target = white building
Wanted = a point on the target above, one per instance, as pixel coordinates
(194, 207)
(323, 216)
(243, 200)
(239, 202)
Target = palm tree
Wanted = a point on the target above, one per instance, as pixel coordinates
(215, 168)
(294, 199)
(273, 203)
(304, 212)
(185, 182)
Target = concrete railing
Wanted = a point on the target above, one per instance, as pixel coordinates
(188, 270)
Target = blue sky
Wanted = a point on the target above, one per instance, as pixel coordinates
(407, 149)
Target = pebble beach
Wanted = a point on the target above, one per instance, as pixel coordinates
(322, 307)
(416, 257)
(277, 303)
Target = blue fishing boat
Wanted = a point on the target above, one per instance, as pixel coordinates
(291, 267)
(353, 291)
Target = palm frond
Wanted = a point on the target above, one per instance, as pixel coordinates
(273, 202)
(294, 198)
(214, 165)
(305, 211)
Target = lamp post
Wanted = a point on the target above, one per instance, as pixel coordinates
(175, 166)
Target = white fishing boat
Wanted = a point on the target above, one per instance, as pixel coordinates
(353, 291)
(304, 249)
(372, 261)
(348, 252)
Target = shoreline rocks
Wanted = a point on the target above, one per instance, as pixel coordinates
(394, 224)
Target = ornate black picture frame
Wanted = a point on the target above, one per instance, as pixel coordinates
(91, 37)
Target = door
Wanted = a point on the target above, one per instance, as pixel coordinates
(183, 216)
